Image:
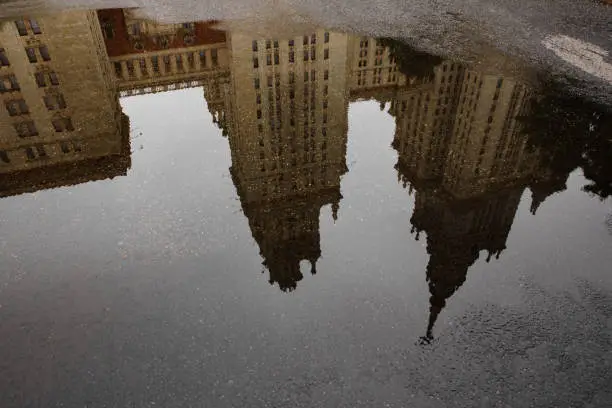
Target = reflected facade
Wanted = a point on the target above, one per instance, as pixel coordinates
(60, 104)
(463, 151)
(289, 145)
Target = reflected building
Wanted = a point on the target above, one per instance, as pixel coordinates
(461, 146)
(288, 142)
(60, 104)
(373, 70)
(148, 56)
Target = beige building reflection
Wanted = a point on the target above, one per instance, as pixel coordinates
(458, 135)
(283, 104)
(59, 104)
(288, 142)
(461, 146)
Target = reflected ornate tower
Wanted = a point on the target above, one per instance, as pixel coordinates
(460, 146)
(457, 230)
(287, 134)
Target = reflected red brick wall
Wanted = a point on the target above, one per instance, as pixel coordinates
(119, 42)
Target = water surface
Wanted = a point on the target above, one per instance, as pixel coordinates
(216, 216)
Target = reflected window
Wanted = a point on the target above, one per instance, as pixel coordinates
(130, 67)
(214, 56)
(44, 53)
(48, 99)
(4, 157)
(17, 107)
(255, 46)
(143, 66)
(35, 27)
(326, 53)
(155, 64)
(117, 69)
(35, 152)
(326, 37)
(134, 29)
(21, 27)
(26, 129)
(65, 147)
(31, 53)
(9, 83)
(108, 31)
(255, 62)
(62, 125)
(4, 61)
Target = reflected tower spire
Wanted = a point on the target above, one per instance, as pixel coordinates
(287, 135)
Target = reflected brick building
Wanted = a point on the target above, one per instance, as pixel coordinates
(147, 56)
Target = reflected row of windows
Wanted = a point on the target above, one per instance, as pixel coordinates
(9, 83)
(46, 78)
(41, 55)
(310, 54)
(269, 44)
(27, 27)
(37, 152)
(164, 64)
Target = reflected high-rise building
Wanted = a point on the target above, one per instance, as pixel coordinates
(288, 141)
(461, 145)
(373, 71)
(60, 104)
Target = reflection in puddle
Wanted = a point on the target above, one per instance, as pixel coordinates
(470, 140)
(282, 102)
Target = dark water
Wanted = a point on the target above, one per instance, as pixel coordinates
(374, 226)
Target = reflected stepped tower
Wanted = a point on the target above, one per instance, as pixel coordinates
(461, 146)
(457, 231)
(286, 120)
